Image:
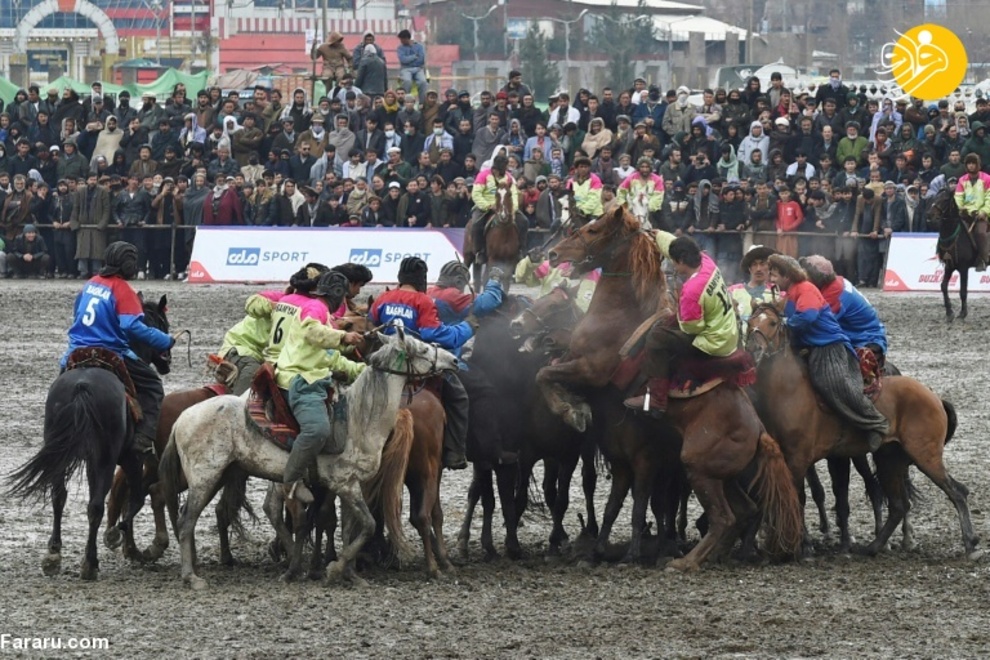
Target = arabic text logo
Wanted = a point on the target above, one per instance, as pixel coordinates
(927, 61)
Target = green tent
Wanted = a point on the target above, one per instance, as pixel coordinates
(162, 87)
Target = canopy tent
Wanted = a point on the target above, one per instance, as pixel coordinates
(162, 87)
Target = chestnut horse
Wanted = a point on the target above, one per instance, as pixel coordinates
(723, 440)
(501, 240)
(920, 425)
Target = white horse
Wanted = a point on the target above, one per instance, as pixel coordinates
(215, 439)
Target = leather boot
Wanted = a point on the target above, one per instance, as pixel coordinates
(298, 491)
(143, 444)
(454, 459)
(981, 252)
(654, 401)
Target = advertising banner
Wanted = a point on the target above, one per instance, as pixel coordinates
(913, 266)
(273, 254)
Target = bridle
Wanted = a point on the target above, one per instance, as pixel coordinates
(768, 340)
(615, 244)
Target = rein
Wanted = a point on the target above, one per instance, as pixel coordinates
(187, 333)
(403, 358)
(767, 340)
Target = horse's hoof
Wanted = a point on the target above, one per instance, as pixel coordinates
(315, 575)
(975, 555)
(288, 576)
(154, 553)
(228, 560)
(949, 318)
(89, 572)
(682, 565)
(871, 550)
(492, 555)
(196, 583)
(514, 553)
(112, 538)
(275, 551)
(51, 565)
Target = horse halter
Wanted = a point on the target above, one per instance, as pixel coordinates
(768, 340)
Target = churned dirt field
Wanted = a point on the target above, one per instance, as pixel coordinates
(929, 602)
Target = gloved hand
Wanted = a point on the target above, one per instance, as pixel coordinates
(496, 273)
(340, 376)
(472, 321)
(535, 255)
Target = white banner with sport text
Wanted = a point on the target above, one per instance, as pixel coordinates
(273, 254)
(913, 266)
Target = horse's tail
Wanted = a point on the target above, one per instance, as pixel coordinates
(73, 431)
(950, 412)
(384, 492)
(169, 475)
(783, 520)
(233, 500)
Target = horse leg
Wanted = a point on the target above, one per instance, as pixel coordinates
(589, 483)
(506, 477)
(274, 507)
(132, 466)
(721, 521)
(421, 517)
(642, 488)
(488, 513)
(439, 542)
(118, 495)
(946, 276)
(818, 495)
(838, 472)
(963, 291)
(160, 544)
(52, 563)
(474, 494)
(873, 490)
(201, 491)
(100, 479)
(933, 467)
(892, 466)
(621, 483)
(575, 412)
(550, 470)
(558, 535)
(363, 523)
(300, 532)
(746, 512)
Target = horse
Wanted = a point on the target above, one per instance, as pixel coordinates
(920, 426)
(215, 437)
(956, 248)
(724, 445)
(87, 420)
(505, 410)
(501, 240)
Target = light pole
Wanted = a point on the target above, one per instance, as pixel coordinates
(670, 44)
(567, 41)
(475, 19)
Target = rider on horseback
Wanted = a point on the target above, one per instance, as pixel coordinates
(304, 368)
(484, 195)
(706, 324)
(856, 316)
(642, 192)
(410, 307)
(108, 314)
(453, 305)
(832, 363)
(301, 284)
(973, 200)
(357, 276)
(586, 188)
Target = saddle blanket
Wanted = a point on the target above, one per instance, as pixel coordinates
(691, 376)
(102, 358)
(270, 412)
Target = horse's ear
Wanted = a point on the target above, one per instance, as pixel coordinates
(163, 304)
(371, 300)
(400, 332)
(753, 304)
(140, 295)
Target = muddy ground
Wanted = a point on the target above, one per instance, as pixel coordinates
(926, 602)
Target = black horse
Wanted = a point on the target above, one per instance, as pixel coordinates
(87, 421)
(956, 248)
(507, 411)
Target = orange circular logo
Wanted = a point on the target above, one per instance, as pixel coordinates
(928, 61)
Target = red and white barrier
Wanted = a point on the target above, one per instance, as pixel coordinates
(913, 266)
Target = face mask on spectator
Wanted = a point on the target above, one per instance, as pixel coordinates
(438, 131)
(390, 134)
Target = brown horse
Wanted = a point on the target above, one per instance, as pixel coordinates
(722, 437)
(501, 240)
(920, 425)
(956, 248)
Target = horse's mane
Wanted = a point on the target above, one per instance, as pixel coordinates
(648, 280)
(368, 396)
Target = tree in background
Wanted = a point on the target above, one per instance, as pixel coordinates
(458, 30)
(539, 73)
(621, 37)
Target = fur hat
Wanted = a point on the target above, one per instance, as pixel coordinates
(788, 267)
(755, 253)
(819, 269)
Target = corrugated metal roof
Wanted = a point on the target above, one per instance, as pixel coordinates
(680, 28)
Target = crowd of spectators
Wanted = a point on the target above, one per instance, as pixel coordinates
(831, 163)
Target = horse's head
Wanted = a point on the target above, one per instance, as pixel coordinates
(404, 354)
(596, 244)
(543, 323)
(767, 334)
(354, 322)
(155, 317)
(944, 213)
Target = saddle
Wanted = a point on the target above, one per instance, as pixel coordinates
(269, 409)
(102, 358)
(691, 377)
(869, 367)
